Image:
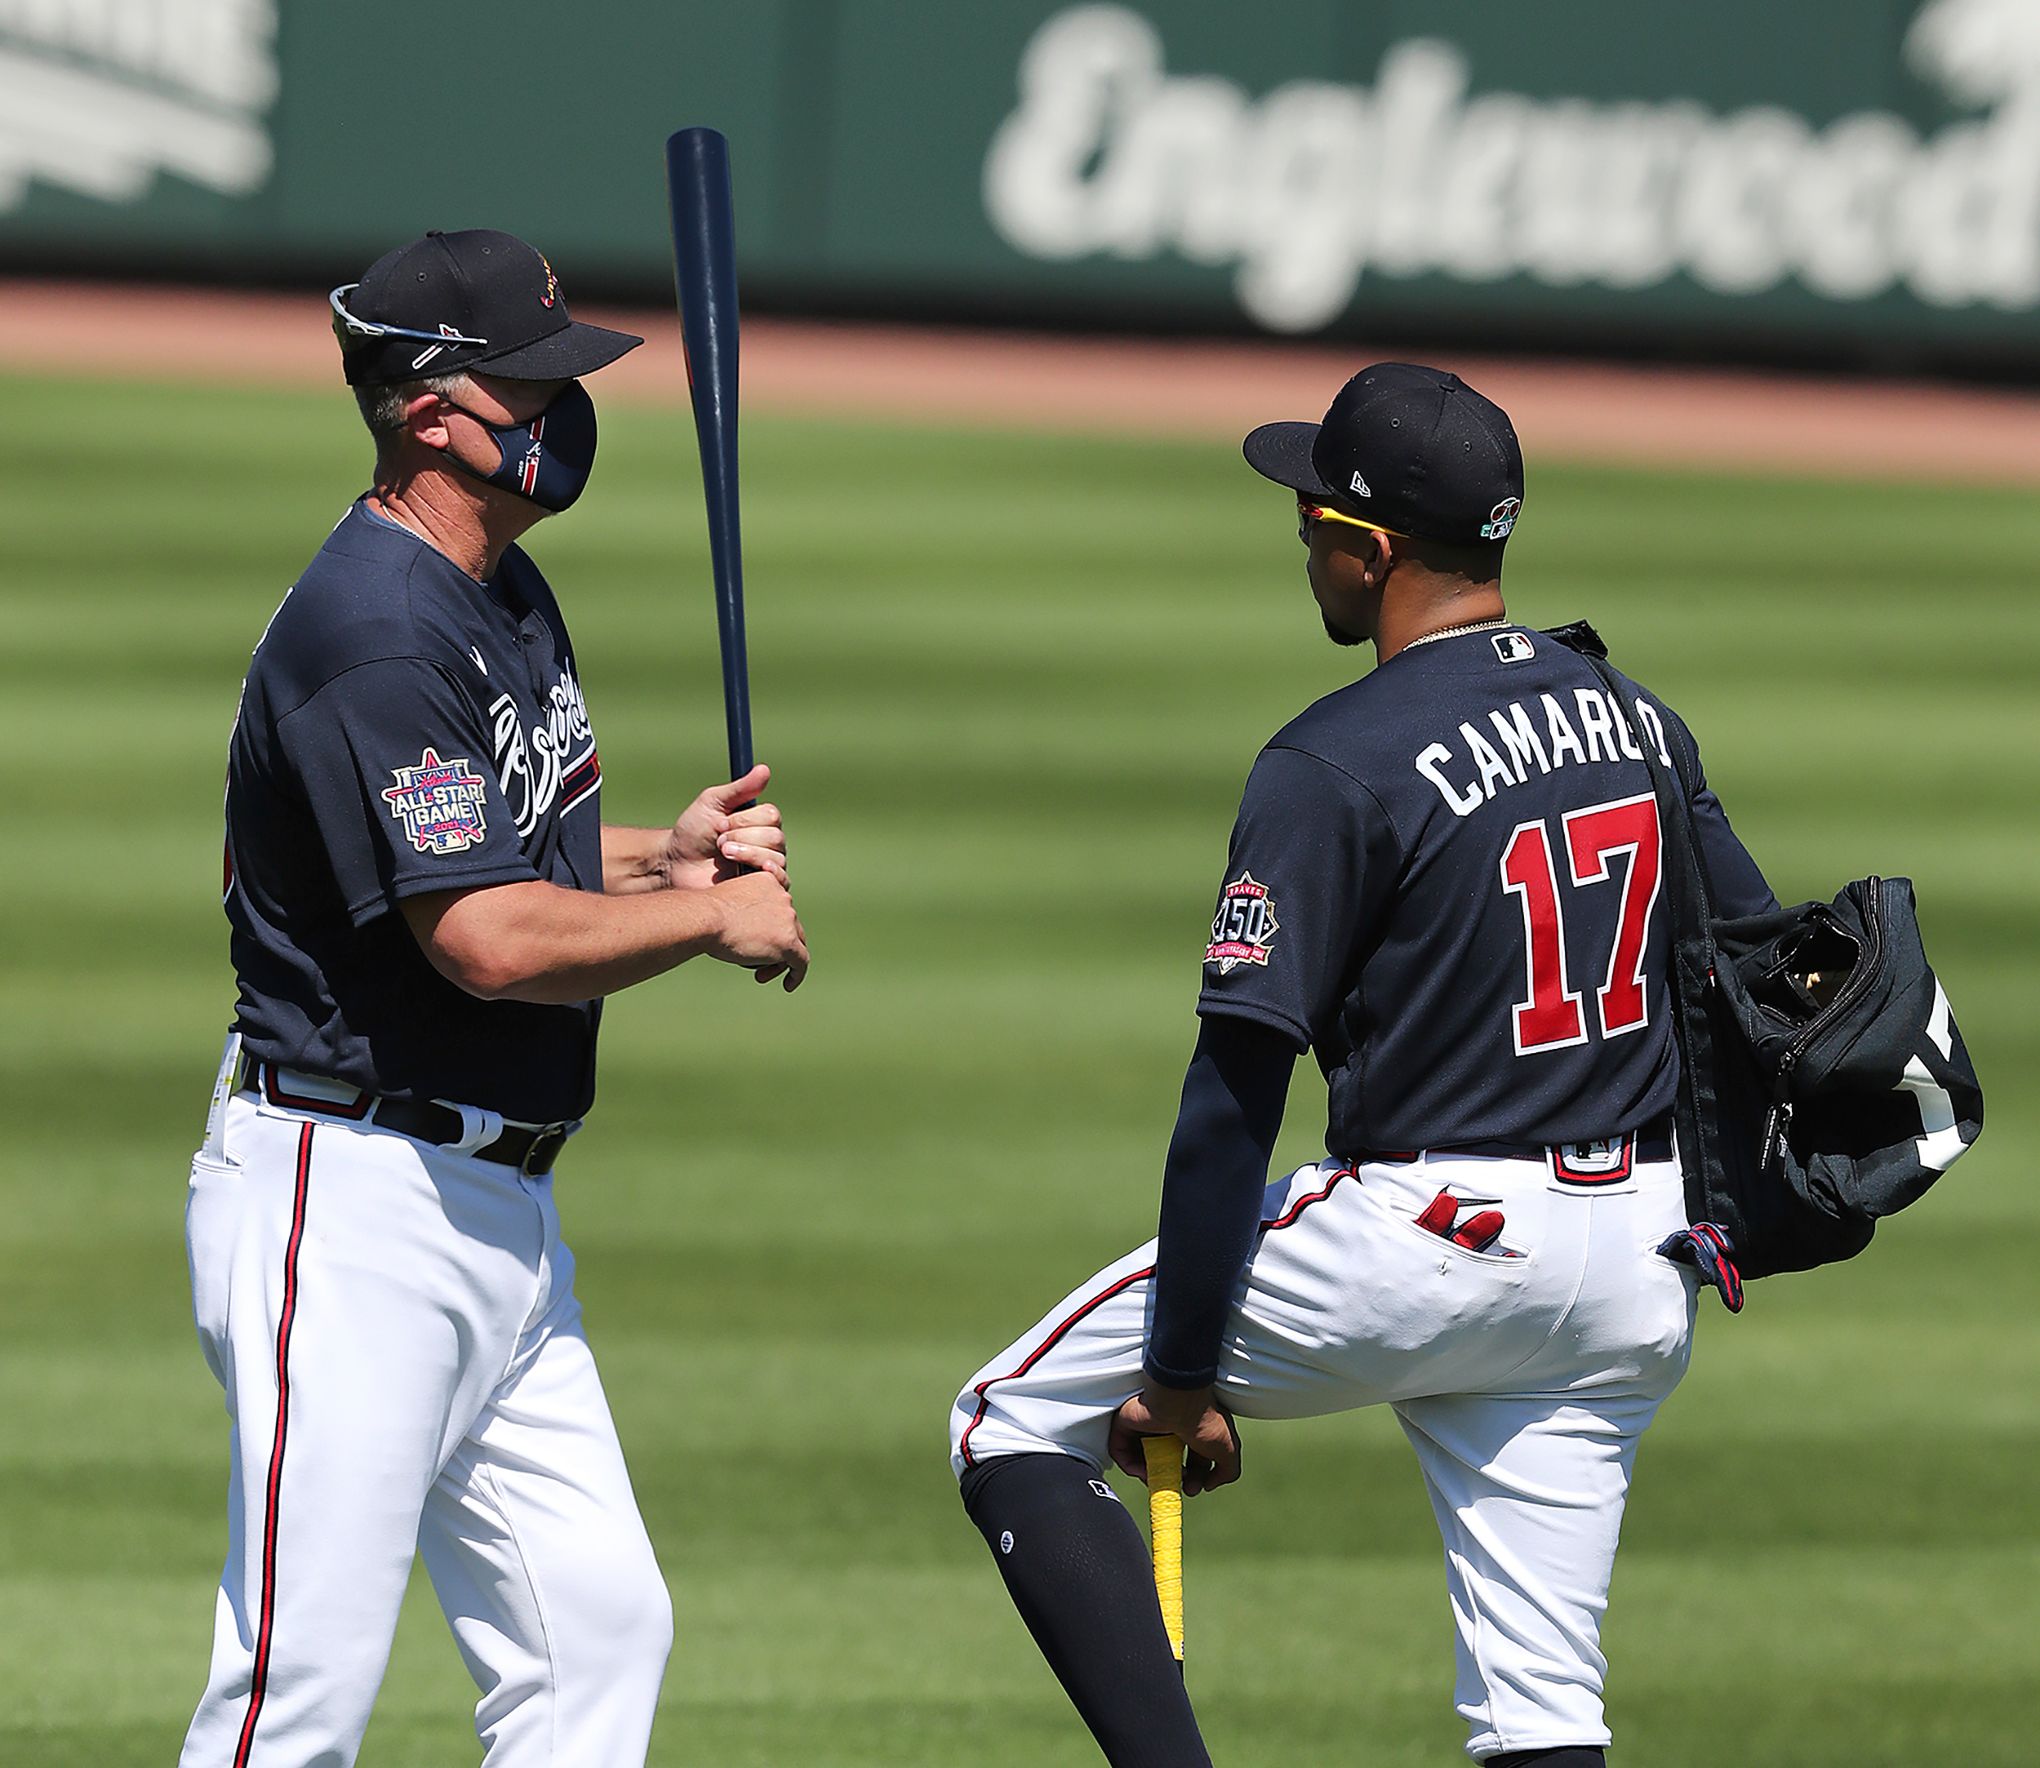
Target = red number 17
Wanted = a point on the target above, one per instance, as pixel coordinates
(1550, 1019)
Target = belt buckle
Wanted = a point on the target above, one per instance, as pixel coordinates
(1603, 1161)
(544, 1150)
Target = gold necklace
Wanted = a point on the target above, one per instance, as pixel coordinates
(1457, 631)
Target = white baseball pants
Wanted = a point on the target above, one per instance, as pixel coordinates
(396, 1330)
(1523, 1383)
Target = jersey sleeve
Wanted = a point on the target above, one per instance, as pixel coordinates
(1313, 856)
(1733, 876)
(394, 762)
(1734, 879)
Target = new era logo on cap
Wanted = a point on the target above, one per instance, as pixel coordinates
(1361, 488)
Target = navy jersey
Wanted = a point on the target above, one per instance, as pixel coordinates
(1445, 880)
(406, 729)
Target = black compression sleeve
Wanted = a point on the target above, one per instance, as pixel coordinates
(1211, 1192)
(1078, 1572)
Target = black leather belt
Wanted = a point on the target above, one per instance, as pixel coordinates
(531, 1151)
(530, 1148)
(1652, 1141)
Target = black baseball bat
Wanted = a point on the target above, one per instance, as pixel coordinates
(705, 281)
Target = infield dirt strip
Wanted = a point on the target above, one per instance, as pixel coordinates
(1573, 411)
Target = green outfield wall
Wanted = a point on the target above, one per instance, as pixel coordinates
(1855, 177)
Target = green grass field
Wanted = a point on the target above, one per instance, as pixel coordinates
(1011, 685)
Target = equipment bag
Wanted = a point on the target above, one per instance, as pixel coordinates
(1823, 1083)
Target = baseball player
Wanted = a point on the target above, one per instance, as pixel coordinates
(426, 913)
(1444, 884)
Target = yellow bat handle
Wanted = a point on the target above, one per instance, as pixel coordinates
(1165, 1529)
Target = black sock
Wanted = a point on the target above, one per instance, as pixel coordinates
(1573, 1755)
(1078, 1572)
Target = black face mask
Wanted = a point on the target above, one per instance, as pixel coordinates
(546, 458)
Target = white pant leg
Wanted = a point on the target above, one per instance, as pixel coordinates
(1528, 1492)
(1523, 1381)
(1345, 1302)
(358, 1296)
(542, 1564)
(1055, 1387)
(1528, 1482)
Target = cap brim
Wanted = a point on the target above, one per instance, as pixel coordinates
(565, 355)
(1282, 452)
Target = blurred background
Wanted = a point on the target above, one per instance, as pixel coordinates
(1761, 287)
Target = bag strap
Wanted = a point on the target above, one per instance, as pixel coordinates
(1692, 896)
(1690, 982)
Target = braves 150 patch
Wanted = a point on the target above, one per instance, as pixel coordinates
(1244, 926)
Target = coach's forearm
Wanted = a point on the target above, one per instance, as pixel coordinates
(633, 860)
(542, 943)
(1233, 1097)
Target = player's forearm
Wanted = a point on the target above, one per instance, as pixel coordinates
(633, 860)
(1233, 1096)
(542, 943)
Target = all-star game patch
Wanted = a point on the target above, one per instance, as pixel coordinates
(439, 803)
(1244, 927)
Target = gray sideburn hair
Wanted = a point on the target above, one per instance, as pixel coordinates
(382, 407)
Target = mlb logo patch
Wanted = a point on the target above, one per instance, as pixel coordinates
(439, 804)
(1513, 647)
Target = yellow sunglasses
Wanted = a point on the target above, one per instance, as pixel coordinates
(1308, 514)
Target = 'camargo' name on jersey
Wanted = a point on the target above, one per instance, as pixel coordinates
(1539, 733)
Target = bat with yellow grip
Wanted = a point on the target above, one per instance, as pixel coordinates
(1165, 1531)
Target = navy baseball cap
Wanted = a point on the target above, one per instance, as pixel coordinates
(471, 300)
(1414, 450)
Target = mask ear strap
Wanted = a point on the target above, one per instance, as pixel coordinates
(488, 429)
